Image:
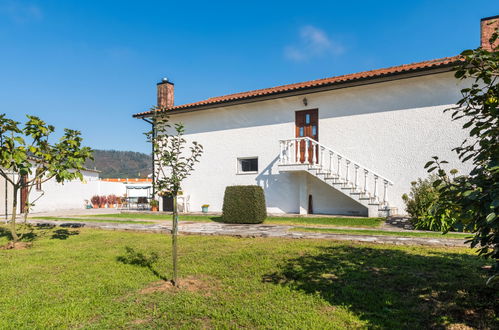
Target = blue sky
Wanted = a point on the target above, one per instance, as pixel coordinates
(89, 65)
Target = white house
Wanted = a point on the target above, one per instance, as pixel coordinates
(347, 145)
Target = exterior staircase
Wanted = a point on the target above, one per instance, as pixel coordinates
(346, 176)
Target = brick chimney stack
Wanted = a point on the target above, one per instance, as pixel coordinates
(488, 26)
(165, 93)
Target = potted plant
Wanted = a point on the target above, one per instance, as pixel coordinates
(154, 205)
(102, 201)
(111, 201)
(95, 201)
(204, 208)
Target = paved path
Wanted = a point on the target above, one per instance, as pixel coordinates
(255, 230)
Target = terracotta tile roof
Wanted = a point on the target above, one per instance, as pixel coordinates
(426, 65)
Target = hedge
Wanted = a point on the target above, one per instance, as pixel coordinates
(244, 204)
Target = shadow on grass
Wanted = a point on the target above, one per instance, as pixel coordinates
(27, 233)
(63, 234)
(394, 289)
(32, 232)
(136, 258)
(4, 232)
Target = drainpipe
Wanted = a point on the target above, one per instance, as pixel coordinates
(153, 129)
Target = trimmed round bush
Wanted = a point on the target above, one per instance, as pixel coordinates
(244, 204)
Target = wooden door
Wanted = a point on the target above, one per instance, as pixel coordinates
(307, 125)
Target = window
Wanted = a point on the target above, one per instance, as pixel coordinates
(247, 165)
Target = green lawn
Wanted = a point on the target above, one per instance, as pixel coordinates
(74, 278)
(381, 232)
(91, 220)
(329, 221)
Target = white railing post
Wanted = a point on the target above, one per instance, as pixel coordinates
(306, 151)
(297, 151)
(347, 182)
(365, 181)
(356, 184)
(385, 187)
(321, 157)
(330, 162)
(286, 149)
(281, 153)
(338, 169)
(375, 197)
(314, 152)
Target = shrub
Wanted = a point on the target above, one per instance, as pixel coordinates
(244, 204)
(425, 208)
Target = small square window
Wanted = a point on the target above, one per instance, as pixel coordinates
(247, 165)
(307, 119)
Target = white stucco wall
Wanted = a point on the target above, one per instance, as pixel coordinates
(393, 128)
(70, 195)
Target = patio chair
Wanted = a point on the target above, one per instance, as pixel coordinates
(185, 205)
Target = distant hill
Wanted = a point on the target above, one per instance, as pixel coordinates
(121, 164)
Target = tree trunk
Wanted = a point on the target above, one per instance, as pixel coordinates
(13, 231)
(174, 240)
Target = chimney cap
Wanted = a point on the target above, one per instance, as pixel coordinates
(489, 18)
(165, 80)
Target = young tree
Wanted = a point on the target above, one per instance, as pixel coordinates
(475, 197)
(172, 164)
(27, 153)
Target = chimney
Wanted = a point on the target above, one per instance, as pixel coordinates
(488, 26)
(165, 93)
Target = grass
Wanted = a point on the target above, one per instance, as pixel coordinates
(83, 278)
(327, 221)
(381, 232)
(91, 220)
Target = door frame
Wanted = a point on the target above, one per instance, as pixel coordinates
(296, 127)
(297, 133)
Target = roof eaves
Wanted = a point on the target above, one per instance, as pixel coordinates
(314, 84)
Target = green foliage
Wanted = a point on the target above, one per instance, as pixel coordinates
(172, 165)
(27, 152)
(426, 209)
(244, 204)
(476, 195)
